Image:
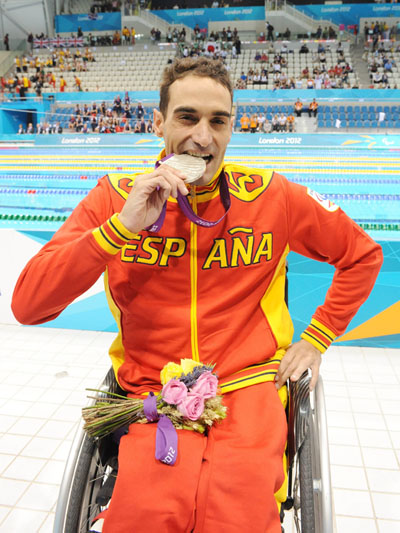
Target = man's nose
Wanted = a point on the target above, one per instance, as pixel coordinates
(201, 134)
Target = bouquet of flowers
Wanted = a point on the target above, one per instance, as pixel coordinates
(189, 399)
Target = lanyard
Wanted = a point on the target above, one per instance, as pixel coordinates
(187, 208)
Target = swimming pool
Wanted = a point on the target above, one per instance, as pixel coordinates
(39, 187)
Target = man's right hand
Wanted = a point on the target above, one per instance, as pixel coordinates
(148, 195)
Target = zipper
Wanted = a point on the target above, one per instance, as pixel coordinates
(193, 281)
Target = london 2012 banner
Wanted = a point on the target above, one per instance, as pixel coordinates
(88, 22)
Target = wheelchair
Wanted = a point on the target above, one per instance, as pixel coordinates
(92, 467)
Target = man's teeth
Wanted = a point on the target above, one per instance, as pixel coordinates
(203, 156)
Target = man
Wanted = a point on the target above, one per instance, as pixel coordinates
(290, 120)
(215, 294)
(63, 83)
(244, 123)
(313, 108)
(298, 107)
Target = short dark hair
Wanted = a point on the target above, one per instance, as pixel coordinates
(195, 66)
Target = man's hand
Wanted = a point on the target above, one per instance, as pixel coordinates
(297, 359)
(148, 195)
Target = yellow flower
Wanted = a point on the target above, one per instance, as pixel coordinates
(188, 365)
(170, 370)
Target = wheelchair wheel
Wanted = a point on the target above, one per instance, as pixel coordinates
(306, 482)
(311, 483)
(82, 506)
(89, 478)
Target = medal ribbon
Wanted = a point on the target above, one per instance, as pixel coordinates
(166, 435)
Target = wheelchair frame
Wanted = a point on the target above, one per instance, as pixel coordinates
(92, 467)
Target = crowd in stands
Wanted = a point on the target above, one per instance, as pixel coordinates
(63, 59)
(275, 121)
(270, 65)
(325, 33)
(104, 6)
(381, 64)
(378, 31)
(259, 123)
(41, 127)
(120, 116)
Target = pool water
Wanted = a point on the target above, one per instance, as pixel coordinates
(39, 187)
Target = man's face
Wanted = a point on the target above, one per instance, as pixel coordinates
(197, 122)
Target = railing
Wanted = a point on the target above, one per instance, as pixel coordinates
(283, 5)
(160, 23)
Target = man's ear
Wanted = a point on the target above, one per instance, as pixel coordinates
(158, 123)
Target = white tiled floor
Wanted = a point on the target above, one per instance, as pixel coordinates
(43, 376)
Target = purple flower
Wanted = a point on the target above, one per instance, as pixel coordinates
(192, 406)
(174, 391)
(206, 385)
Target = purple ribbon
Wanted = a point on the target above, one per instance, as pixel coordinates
(166, 435)
(187, 208)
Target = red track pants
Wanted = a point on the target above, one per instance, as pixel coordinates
(224, 482)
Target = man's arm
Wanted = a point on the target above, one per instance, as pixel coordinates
(320, 230)
(72, 261)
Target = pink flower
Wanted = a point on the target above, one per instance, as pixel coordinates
(174, 391)
(206, 385)
(192, 406)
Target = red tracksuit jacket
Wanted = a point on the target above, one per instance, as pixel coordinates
(213, 294)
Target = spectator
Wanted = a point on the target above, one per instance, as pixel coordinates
(126, 34)
(93, 122)
(149, 126)
(21, 130)
(117, 107)
(388, 65)
(244, 123)
(313, 108)
(290, 123)
(270, 31)
(267, 126)
(116, 40)
(298, 108)
(30, 129)
(6, 42)
(30, 41)
(304, 49)
(127, 111)
(253, 123)
(261, 118)
(310, 83)
(142, 125)
(63, 84)
(78, 83)
(51, 79)
(282, 122)
(139, 111)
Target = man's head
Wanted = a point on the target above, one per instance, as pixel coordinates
(195, 111)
